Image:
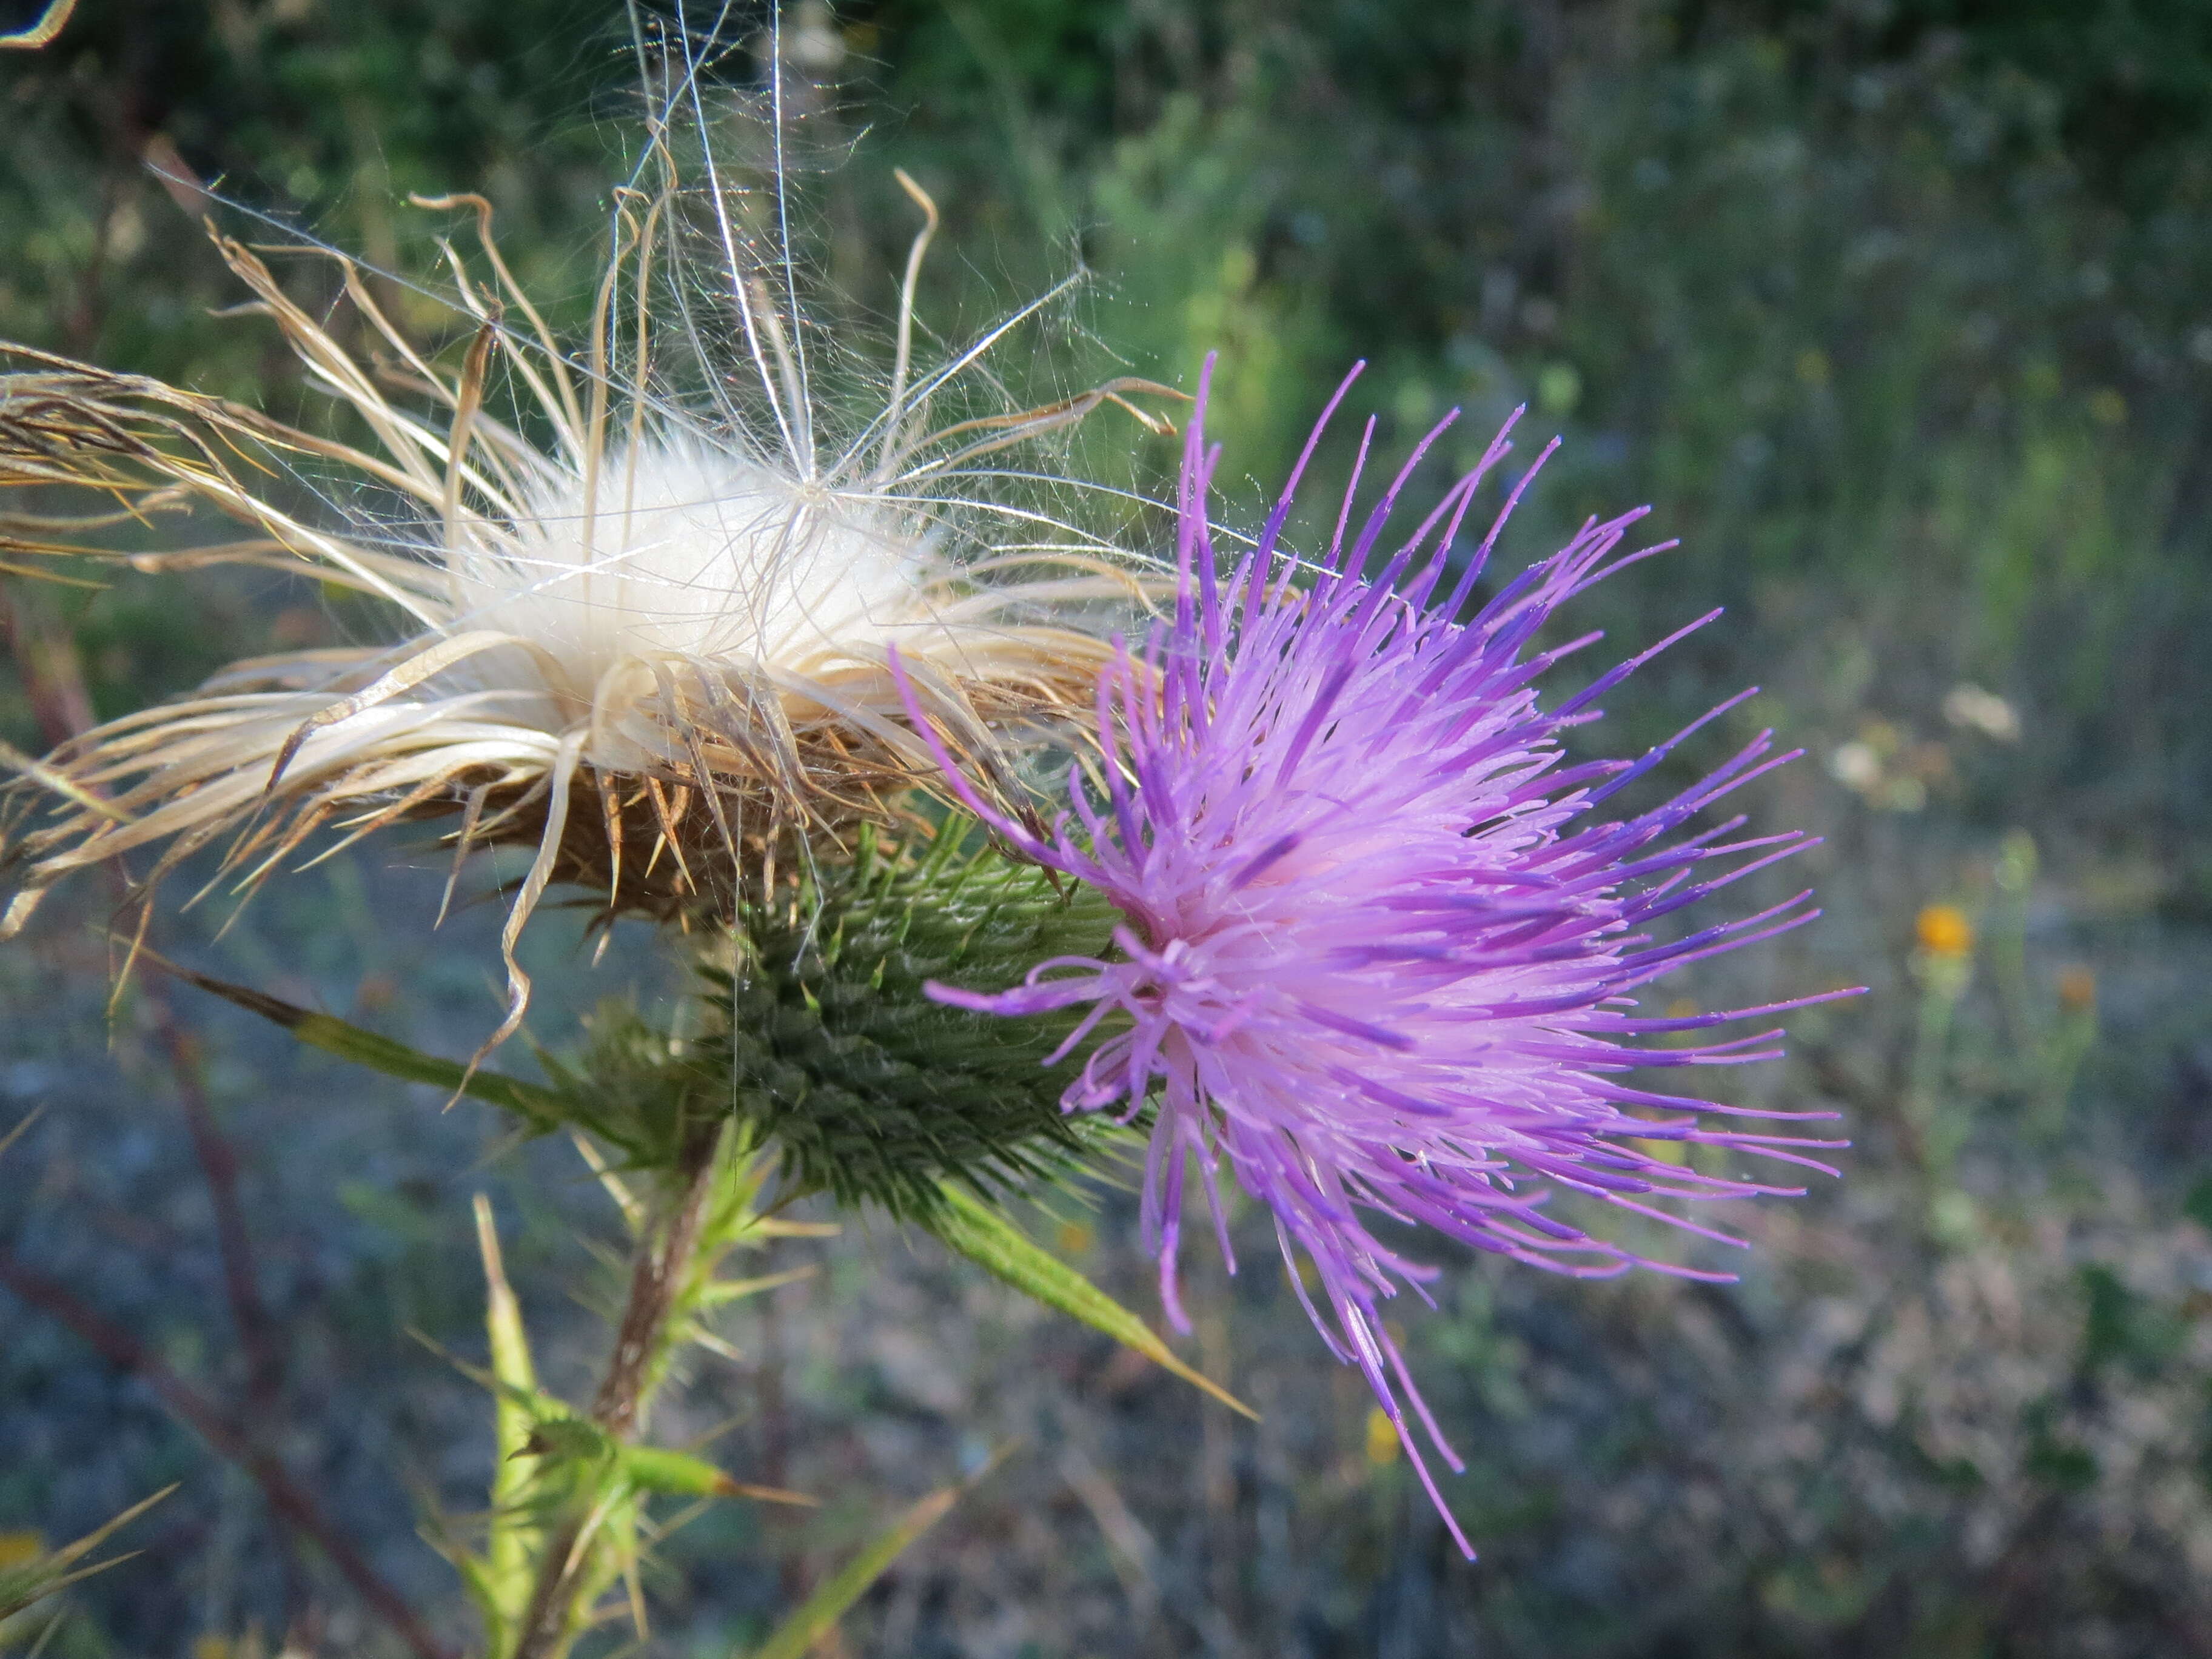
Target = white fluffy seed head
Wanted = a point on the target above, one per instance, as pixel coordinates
(696, 553)
(679, 552)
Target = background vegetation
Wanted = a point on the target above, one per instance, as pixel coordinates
(1900, 314)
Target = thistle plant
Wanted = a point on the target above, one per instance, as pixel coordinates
(1328, 905)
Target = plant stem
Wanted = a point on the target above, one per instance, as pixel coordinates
(656, 1279)
(663, 1263)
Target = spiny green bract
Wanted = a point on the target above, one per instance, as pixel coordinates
(868, 1089)
(822, 1044)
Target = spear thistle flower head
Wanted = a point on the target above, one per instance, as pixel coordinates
(1380, 944)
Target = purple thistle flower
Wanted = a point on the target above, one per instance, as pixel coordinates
(1380, 949)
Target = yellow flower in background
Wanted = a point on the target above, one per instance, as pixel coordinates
(19, 1548)
(1944, 930)
(1382, 1437)
(2077, 990)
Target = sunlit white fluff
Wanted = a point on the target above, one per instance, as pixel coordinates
(707, 555)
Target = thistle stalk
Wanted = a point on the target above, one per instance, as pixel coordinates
(665, 1263)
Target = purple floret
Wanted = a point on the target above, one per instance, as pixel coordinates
(1379, 948)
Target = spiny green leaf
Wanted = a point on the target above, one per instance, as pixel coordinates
(504, 1583)
(542, 1108)
(31, 1582)
(798, 1634)
(722, 1291)
(629, 1089)
(679, 1474)
(968, 1224)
